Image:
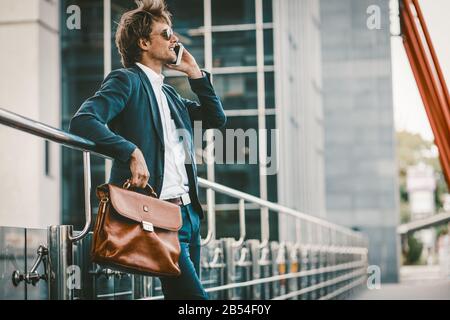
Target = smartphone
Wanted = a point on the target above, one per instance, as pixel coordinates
(179, 48)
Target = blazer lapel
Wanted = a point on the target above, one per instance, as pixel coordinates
(174, 110)
(153, 104)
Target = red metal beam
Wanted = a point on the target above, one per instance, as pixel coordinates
(429, 77)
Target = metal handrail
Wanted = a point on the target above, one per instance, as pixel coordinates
(439, 218)
(211, 235)
(279, 208)
(87, 198)
(61, 238)
(39, 129)
(36, 128)
(358, 265)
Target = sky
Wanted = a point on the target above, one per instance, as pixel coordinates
(409, 111)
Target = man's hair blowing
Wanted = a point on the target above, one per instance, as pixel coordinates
(137, 24)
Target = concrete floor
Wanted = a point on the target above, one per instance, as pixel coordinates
(417, 283)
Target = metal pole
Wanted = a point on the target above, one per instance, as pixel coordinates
(242, 227)
(60, 259)
(211, 218)
(60, 242)
(298, 232)
(210, 197)
(262, 143)
(319, 237)
(107, 59)
(87, 198)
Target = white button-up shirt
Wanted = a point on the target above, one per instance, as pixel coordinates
(175, 181)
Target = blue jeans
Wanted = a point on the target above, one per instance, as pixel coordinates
(187, 286)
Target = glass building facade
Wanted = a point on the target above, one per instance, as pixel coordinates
(233, 39)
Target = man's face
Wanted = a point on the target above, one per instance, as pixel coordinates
(162, 43)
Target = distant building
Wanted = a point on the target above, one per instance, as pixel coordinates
(360, 161)
(421, 184)
(446, 202)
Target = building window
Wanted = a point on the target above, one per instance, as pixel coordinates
(82, 73)
(226, 12)
(234, 48)
(47, 156)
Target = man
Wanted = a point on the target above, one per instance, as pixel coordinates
(143, 115)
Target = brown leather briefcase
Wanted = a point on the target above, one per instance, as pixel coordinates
(136, 233)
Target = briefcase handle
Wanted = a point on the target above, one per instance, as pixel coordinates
(148, 188)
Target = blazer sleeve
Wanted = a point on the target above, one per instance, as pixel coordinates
(210, 110)
(91, 120)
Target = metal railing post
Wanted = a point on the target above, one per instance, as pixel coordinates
(211, 218)
(87, 198)
(61, 240)
(265, 227)
(60, 259)
(298, 231)
(242, 226)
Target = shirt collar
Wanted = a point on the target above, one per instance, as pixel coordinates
(152, 75)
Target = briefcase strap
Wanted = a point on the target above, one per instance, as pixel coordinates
(150, 191)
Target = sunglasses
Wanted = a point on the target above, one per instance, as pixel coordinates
(167, 33)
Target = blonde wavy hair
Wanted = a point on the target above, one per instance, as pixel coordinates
(137, 24)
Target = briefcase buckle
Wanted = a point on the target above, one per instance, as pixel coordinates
(147, 226)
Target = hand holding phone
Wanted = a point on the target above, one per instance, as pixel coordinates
(185, 63)
(179, 48)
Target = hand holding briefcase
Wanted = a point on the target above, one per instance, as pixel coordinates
(136, 233)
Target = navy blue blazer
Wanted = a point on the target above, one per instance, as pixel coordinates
(127, 104)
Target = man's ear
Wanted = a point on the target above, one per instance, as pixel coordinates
(144, 44)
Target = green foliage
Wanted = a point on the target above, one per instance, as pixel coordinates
(441, 230)
(414, 250)
(411, 150)
(405, 214)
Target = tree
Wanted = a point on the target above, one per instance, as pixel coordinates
(411, 150)
(414, 250)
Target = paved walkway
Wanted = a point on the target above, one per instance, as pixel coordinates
(417, 282)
